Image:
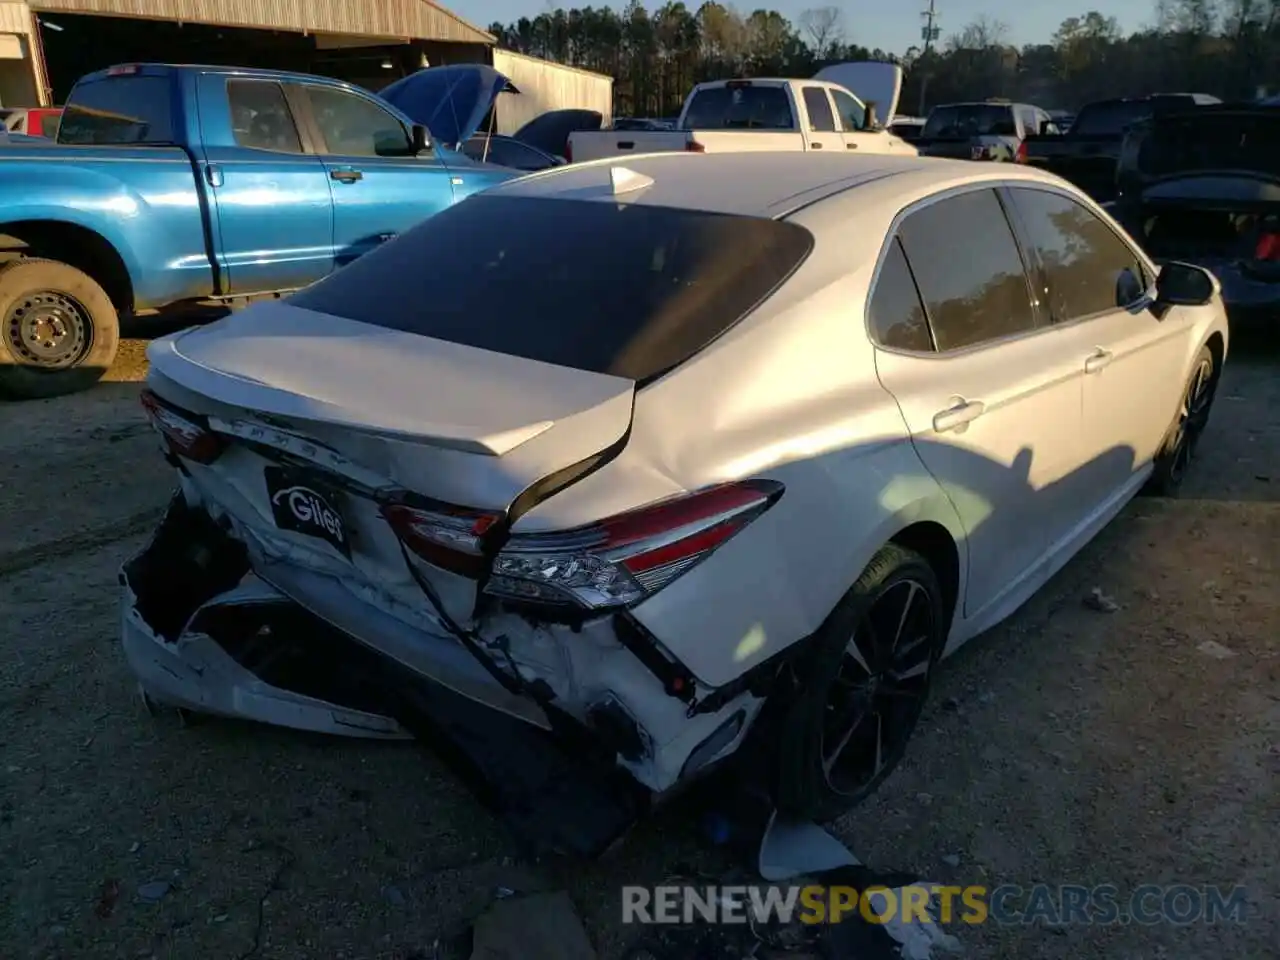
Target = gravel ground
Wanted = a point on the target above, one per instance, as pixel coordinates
(1068, 746)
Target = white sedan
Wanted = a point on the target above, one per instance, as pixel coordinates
(702, 455)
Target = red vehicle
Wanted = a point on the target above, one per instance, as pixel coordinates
(32, 121)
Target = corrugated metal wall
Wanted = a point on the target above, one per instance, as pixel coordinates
(15, 17)
(547, 86)
(402, 19)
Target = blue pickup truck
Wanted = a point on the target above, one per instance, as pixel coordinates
(170, 185)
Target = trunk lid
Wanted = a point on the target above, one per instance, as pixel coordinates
(362, 416)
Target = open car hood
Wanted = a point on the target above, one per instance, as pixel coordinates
(450, 101)
(871, 81)
(549, 132)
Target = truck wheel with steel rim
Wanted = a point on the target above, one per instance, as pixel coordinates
(862, 686)
(1192, 416)
(59, 330)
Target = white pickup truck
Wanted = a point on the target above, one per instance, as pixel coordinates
(738, 116)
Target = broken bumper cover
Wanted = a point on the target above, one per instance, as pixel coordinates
(196, 673)
(203, 633)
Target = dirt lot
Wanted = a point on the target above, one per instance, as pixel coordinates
(1068, 746)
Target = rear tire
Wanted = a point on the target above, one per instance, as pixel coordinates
(1179, 444)
(861, 687)
(59, 330)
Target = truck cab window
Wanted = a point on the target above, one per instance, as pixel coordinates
(853, 115)
(119, 111)
(355, 127)
(260, 116)
(818, 107)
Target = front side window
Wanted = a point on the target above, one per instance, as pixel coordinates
(353, 126)
(260, 116)
(969, 271)
(853, 115)
(1086, 268)
(818, 107)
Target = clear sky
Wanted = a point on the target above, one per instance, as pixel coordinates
(892, 26)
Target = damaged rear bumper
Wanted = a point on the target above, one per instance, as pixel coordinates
(202, 632)
(197, 673)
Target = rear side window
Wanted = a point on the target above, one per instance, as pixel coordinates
(975, 293)
(49, 125)
(896, 313)
(260, 116)
(740, 107)
(625, 289)
(818, 107)
(119, 111)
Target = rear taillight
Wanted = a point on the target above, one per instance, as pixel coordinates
(187, 434)
(693, 146)
(622, 560)
(1020, 155)
(1268, 248)
(446, 537)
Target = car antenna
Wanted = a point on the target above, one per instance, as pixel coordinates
(623, 180)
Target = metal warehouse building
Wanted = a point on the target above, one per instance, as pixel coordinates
(369, 42)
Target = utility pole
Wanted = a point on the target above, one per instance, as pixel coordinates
(928, 33)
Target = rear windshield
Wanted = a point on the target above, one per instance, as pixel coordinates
(740, 108)
(1229, 141)
(624, 289)
(1102, 119)
(971, 120)
(127, 110)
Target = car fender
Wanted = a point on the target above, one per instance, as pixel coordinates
(101, 204)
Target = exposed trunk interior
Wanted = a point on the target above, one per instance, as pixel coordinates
(1191, 234)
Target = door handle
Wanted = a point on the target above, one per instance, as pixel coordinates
(1098, 361)
(213, 174)
(850, 146)
(815, 146)
(626, 144)
(965, 411)
(346, 176)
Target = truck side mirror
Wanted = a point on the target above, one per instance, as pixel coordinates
(871, 122)
(421, 139)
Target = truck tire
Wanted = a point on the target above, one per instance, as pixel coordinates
(59, 330)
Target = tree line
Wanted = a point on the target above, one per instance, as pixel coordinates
(1230, 48)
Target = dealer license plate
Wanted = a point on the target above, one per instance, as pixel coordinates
(300, 505)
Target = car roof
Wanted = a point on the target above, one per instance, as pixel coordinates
(765, 184)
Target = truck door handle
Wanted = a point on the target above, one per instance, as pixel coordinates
(626, 144)
(213, 174)
(346, 175)
(850, 146)
(815, 146)
(1097, 361)
(964, 411)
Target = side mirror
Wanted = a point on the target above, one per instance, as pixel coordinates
(870, 121)
(421, 139)
(1184, 285)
